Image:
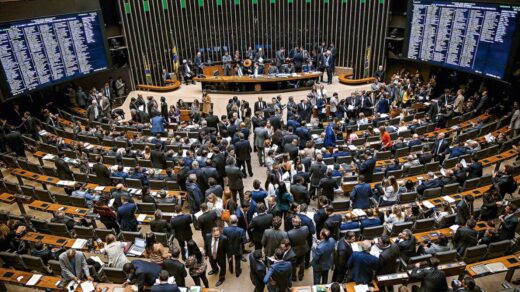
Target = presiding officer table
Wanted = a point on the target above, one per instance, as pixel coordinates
(261, 83)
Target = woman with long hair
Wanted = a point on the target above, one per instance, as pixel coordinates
(390, 191)
(284, 199)
(397, 216)
(154, 250)
(196, 264)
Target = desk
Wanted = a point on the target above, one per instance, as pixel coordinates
(52, 208)
(347, 79)
(433, 235)
(45, 282)
(48, 239)
(463, 125)
(171, 86)
(511, 262)
(262, 83)
(7, 198)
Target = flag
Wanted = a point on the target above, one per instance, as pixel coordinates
(366, 72)
(147, 72)
(175, 61)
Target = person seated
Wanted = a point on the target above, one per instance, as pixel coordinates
(443, 211)
(74, 266)
(399, 144)
(60, 217)
(411, 160)
(434, 247)
(396, 165)
(397, 216)
(119, 172)
(371, 220)
(448, 178)
(430, 182)
(348, 224)
(505, 181)
(406, 243)
(141, 273)
(163, 198)
(44, 252)
(459, 150)
(490, 236)
(80, 191)
(164, 284)
(415, 141)
(390, 190)
(466, 285)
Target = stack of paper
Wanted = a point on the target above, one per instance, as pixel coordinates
(496, 267)
(99, 188)
(454, 228)
(361, 288)
(141, 217)
(48, 157)
(34, 280)
(66, 183)
(79, 243)
(87, 286)
(428, 204)
(359, 212)
(448, 199)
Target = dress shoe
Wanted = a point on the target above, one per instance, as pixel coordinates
(218, 283)
(238, 273)
(244, 260)
(212, 272)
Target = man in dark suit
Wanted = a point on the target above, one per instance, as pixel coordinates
(430, 182)
(126, 215)
(298, 237)
(508, 223)
(195, 195)
(440, 148)
(176, 268)
(300, 192)
(407, 244)
(181, 228)
(141, 273)
(388, 257)
(464, 210)
(361, 194)
(243, 150)
(465, 236)
(366, 168)
(291, 149)
(260, 105)
(303, 133)
(272, 237)
(432, 279)
(259, 224)
(163, 285)
(236, 239)
(235, 176)
(62, 168)
(278, 277)
(216, 248)
(328, 184)
(475, 168)
(342, 254)
(323, 257)
(159, 224)
(362, 265)
(257, 270)
(207, 220)
(317, 172)
(158, 158)
(102, 172)
(305, 110)
(94, 112)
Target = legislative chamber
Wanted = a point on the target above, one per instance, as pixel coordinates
(259, 145)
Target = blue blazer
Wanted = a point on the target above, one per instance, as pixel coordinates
(158, 124)
(323, 255)
(126, 217)
(360, 196)
(362, 266)
(165, 288)
(369, 222)
(349, 225)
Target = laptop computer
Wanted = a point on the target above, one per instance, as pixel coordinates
(137, 248)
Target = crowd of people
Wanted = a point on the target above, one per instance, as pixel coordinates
(287, 224)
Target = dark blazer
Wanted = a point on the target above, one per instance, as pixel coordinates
(243, 150)
(475, 170)
(235, 176)
(126, 217)
(222, 247)
(103, 174)
(158, 159)
(464, 237)
(256, 271)
(63, 169)
(145, 273)
(181, 227)
(317, 172)
(432, 279)
(441, 147)
(362, 266)
(366, 168)
(463, 211)
(342, 254)
(323, 255)
(300, 193)
(407, 248)
(319, 218)
(236, 237)
(327, 185)
(160, 225)
(387, 260)
(165, 288)
(207, 221)
(271, 240)
(298, 238)
(508, 227)
(360, 196)
(176, 269)
(259, 224)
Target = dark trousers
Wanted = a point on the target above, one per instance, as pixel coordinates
(197, 279)
(339, 274)
(240, 195)
(320, 277)
(237, 259)
(329, 75)
(299, 268)
(242, 165)
(111, 224)
(182, 246)
(261, 155)
(219, 266)
(258, 288)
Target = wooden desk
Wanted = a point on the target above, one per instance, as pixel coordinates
(111, 287)
(347, 79)
(57, 241)
(262, 83)
(7, 198)
(511, 262)
(463, 125)
(433, 235)
(349, 287)
(45, 282)
(171, 86)
(52, 208)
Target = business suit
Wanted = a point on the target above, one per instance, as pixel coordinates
(362, 266)
(279, 276)
(300, 193)
(15, 143)
(207, 221)
(322, 260)
(299, 242)
(218, 257)
(303, 134)
(256, 273)
(407, 248)
(342, 254)
(432, 279)
(79, 270)
(236, 237)
(261, 134)
(103, 174)
(327, 186)
(440, 148)
(158, 159)
(145, 274)
(366, 168)
(195, 196)
(387, 260)
(305, 110)
(159, 225)
(291, 149)
(63, 169)
(177, 270)
(271, 240)
(165, 287)
(507, 227)
(126, 217)
(464, 211)
(236, 185)
(260, 105)
(360, 196)
(475, 170)
(258, 225)
(91, 113)
(317, 172)
(243, 150)
(181, 228)
(464, 237)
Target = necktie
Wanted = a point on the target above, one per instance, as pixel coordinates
(439, 148)
(214, 249)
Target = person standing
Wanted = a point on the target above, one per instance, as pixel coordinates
(236, 238)
(342, 254)
(322, 257)
(181, 228)
(217, 250)
(243, 150)
(235, 176)
(298, 237)
(515, 119)
(257, 270)
(206, 103)
(272, 238)
(126, 215)
(74, 266)
(432, 279)
(278, 277)
(261, 134)
(362, 265)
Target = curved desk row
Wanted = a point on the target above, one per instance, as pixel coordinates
(262, 83)
(347, 79)
(172, 85)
